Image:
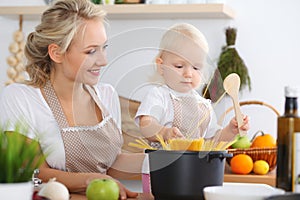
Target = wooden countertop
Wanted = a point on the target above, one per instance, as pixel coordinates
(140, 197)
(269, 178)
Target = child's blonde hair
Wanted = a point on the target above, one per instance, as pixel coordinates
(178, 33)
(173, 39)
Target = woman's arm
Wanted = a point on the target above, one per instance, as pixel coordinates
(77, 182)
(74, 181)
(127, 165)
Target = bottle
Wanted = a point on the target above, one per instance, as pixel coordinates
(288, 138)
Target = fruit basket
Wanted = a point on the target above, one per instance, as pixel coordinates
(269, 154)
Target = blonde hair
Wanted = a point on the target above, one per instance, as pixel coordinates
(181, 32)
(172, 40)
(59, 24)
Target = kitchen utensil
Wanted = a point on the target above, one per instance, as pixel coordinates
(177, 175)
(237, 191)
(231, 85)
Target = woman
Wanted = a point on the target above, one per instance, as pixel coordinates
(76, 119)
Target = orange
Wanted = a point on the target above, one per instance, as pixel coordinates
(263, 141)
(241, 164)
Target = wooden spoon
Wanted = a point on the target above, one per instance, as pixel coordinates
(231, 85)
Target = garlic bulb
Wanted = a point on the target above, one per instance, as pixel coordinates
(12, 61)
(20, 56)
(11, 73)
(20, 78)
(14, 47)
(20, 67)
(16, 61)
(22, 45)
(54, 190)
(8, 82)
(18, 36)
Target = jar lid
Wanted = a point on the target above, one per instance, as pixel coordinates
(291, 91)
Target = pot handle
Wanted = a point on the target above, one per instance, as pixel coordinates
(221, 156)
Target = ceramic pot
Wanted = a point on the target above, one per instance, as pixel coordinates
(16, 191)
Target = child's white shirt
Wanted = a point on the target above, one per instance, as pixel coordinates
(158, 104)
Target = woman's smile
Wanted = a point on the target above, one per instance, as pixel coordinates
(94, 72)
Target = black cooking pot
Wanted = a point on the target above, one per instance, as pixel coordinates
(182, 175)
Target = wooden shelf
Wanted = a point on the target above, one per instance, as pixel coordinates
(142, 11)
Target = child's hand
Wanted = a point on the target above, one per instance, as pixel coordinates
(233, 125)
(173, 132)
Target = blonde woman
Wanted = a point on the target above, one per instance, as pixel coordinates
(174, 108)
(76, 118)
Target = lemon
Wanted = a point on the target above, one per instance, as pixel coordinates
(261, 167)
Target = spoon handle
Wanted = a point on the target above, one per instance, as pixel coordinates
(238, 115)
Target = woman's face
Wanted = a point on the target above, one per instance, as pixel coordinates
(86, 54)
(182, 72)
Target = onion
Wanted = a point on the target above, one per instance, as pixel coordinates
(54, 190)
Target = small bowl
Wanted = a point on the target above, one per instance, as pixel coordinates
(243, 191)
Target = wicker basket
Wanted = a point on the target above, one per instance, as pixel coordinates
(267, 154)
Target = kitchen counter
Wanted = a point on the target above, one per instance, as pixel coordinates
(140, 197)
(269, 178)
(135, 185)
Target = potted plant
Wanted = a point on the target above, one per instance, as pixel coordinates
(19, 157)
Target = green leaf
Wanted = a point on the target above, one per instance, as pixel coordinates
(19, 156)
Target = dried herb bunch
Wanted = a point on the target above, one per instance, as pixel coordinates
(231, 62)
(228, 62)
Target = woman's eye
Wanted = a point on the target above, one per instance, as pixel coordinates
(105, 46)
(196, 68)
(92, 51)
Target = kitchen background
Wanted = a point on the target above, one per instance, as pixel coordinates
(267, 40)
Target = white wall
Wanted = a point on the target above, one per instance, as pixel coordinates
(267, 40)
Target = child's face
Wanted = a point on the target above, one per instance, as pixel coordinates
(181, 72)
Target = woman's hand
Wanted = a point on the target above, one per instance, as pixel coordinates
(233, 125)
(125, 193)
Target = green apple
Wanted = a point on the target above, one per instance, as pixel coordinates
(242, 142)
(102, 189)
